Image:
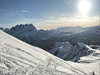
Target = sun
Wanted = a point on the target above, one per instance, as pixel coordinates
(84, 6)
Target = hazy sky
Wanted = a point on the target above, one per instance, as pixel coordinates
(48, 14)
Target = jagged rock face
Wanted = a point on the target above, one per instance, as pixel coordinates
(61, 48)
(67, 52)
(1, 28)
(20, 29)
(26, 27)
(23, 32)
(77, 51)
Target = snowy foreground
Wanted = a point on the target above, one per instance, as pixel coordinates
(19, 58)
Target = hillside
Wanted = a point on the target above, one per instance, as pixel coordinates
(17, 57)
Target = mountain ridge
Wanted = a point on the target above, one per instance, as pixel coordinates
(37, 37)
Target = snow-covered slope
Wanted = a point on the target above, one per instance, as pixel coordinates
(19, 58)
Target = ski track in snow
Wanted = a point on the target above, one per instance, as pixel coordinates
(19, 58)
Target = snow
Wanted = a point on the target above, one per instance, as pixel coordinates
(29, 34)
(20, 58)
(22, 30)
(68, 29)
(68, 52)
(89, 36)
(61, 48)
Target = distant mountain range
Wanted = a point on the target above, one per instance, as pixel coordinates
(46, 39)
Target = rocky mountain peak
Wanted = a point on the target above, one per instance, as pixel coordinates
(24, 27)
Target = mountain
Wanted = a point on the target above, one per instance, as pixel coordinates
(78, 51)
(68, 29)
(1, 28)
(22, 30)
(67, 52)
(29, 34)
(61, 48)
(20, 58)
(88, 36)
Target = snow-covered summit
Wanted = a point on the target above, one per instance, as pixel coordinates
(1, 28)
(20, 29)
(26, 27)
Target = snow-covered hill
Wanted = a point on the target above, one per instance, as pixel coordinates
(19, 58)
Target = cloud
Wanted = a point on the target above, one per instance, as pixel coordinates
(25, 11)
(63, 21)
(59, 20)
(0, 25)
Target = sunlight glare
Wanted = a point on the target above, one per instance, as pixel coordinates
(84, 6)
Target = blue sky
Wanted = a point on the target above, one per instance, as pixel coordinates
(47, 14)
